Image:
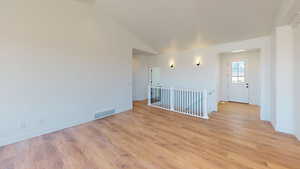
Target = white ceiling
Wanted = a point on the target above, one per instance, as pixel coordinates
(137, 52)
(182, 24)
(288, 13)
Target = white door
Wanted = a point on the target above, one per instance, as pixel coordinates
(238, 82)
(155, 76)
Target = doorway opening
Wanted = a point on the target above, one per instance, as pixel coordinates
(154, 76)
(240, 77)
(143, 74)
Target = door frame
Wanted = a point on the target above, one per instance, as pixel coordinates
(229, 79)
(150, 80)
(255, 77)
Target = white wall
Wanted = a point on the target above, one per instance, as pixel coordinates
(253, 74)
(284, 79)
(285, 115)
(61, 62)
(186, 74)
(273, 80)
(140, 77)
(297, 80)
(286, 40)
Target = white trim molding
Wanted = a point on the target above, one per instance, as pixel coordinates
(284, 11)
(295, 21)
(28, 134)
(298, 136)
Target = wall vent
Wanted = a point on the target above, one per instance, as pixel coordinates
(104, 114)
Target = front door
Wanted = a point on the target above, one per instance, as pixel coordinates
(238, 81)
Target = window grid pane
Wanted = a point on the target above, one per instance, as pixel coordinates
(238, 72)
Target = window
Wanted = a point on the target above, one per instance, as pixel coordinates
(238, 72)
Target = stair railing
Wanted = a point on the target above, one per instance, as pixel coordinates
(184, 101)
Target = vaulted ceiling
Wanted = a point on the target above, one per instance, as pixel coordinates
(182, 24)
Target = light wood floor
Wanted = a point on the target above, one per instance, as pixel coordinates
(150, 138)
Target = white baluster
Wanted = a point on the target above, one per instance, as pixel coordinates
(149, 95)
(155, 95)
(195, 103)
(172, 99)
(177, 100)
(205, 105)
(189, 102)
(162, 95)
(181, 100)
(186, 102)
(195, 107)
(200, 104)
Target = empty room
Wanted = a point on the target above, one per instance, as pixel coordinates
(140, 84)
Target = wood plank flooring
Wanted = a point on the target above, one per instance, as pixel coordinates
(150, 138)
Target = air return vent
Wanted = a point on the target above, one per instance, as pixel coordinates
(103, 114)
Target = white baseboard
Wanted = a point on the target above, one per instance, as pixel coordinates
(24, 135)
(298, 136)
(284, 130)
(140, 99)
(288, 131)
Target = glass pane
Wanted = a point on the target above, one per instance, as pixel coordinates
(238, 72)
(241, 80)
(242, 73)
(241, 68)
(235, 69)
(234, 79)
(235, 72)
(235, 65)
(241, 65)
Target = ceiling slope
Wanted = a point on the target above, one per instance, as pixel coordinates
(169, 25)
